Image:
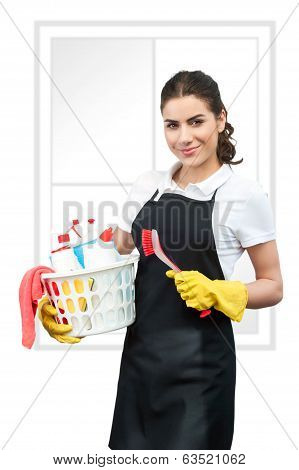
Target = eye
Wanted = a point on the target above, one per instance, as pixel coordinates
(195, 121)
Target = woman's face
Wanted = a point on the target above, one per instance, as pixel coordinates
(189, 123)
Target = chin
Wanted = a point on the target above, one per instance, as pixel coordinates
(189, 161)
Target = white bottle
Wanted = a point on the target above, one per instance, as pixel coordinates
(63, 257)
(101, 252)
(86, 233)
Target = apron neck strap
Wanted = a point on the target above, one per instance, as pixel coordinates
(213, 197)
(157, 190)
(154, 195)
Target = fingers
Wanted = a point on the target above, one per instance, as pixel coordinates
(44, 301)
(175, 275)
(191, 303)
(181, 287)
(66, 339)
(170, 273)
(48, 309)
(184, 296)
(46, 313)
(58, 331)
(52, 327)
(181, 282)
(181, 276)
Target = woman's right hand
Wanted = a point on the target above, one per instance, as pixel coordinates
(123, 241)
(46, 314)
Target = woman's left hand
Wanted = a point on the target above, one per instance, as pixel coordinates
(200, 292)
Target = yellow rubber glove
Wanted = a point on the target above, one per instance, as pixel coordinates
(200, 292)
(46, 314)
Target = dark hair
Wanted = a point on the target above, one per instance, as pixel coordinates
(199, 84)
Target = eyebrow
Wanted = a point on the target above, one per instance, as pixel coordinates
(188, 120)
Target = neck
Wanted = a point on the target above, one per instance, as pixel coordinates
(191, 174)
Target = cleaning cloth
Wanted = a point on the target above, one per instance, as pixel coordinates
(30, 291)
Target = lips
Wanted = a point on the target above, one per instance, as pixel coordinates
(189, 151)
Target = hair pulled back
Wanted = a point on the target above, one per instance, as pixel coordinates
(197, 83)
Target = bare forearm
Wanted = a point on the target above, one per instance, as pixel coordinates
(264, 293)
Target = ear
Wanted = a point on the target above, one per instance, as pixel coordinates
(221, 121)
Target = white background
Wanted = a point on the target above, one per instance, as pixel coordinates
(64, 405)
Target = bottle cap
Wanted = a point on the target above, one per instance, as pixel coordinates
(63, 238)
(107, 235)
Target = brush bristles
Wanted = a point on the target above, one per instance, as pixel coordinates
(147, 243)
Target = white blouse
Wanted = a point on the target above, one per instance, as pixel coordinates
(242, 214)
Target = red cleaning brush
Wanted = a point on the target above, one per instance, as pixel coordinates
(151, 245)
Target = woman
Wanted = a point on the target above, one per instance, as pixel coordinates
(176, 386)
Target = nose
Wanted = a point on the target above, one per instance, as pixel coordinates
(185, 136)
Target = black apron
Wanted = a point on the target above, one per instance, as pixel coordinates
(176, 387)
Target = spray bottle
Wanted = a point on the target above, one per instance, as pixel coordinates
(63, 258)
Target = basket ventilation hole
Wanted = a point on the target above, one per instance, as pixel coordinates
(55, 288)
(92, 284)
(128, 275)
(60, 306)
(119, 296)
(129, 312)
(118, 279)
(66, 288)
(128, 293)
(70, 305)
(79, 286)
(99, 320)
(82, 304)
(95, 300)
(75, 323)
(106, 281)
(48, 288)
(86, 322)
(110, 317)
(107, 300)
(121, 314)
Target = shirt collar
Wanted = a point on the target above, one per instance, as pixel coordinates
(207, 186)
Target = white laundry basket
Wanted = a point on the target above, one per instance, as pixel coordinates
(94, 301)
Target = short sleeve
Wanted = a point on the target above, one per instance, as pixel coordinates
(256, 223)
(128, 210)
(141, 191)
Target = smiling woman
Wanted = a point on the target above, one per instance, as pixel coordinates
(176, 388)
(186, 136)
(185, 131)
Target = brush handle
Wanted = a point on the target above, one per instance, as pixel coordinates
(160, 253)
(162, 256)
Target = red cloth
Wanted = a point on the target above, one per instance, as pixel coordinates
(30, 291)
